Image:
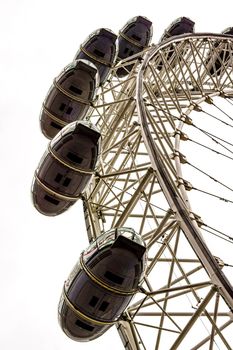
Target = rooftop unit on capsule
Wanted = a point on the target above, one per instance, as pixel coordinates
(215, 61)
(133, 38)
(102, 283)
(66, 168)
(100, 49)
(69, 97)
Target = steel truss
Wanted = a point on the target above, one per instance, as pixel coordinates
(186, 301)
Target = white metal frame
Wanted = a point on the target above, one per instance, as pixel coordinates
(139, 184)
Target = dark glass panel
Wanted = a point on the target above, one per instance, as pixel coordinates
(69, 110)
(94, 300)
(113, 277)
(51, 200)
(67, 182)
(75, 90)
(74, 158)
(62, 107)
(58, 177)
(136, 37)
(99, 53)
(55, 125)
(77, 328)
(103, 307)
(84, 325)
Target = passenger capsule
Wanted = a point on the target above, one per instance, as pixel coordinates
(99, 48)
(133, 38)
(102, 283)
(69, 97)
(223, 55)
(66, 168)
(181, 25)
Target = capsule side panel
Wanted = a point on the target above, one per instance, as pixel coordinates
(100, 49)
(79, 149)
(95, 301)
(77, 328)
(47, 203)
(66, 169)
(59, 107)
(121, 269)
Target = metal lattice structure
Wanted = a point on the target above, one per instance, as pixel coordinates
(186, 301)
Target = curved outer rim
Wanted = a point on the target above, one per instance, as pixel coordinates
(173, 197)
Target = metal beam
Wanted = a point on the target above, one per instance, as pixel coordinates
(193, 319)
(136, 196)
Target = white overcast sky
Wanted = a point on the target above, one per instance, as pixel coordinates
(37, 39)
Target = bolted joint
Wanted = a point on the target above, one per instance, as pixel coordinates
(182, 157)
(187, 185)
(100, 215)
(187, 120)
(209, 100)
(183, 136)
(196, 107)
(197, 218)
(219, 261)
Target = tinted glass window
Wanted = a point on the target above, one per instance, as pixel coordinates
(84, 325)
(114, 278)
(74, 158)
(51, 200)
(104, 306)
(94, 300)
(75, 90)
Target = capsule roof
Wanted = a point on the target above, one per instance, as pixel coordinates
(181, 25)
(108, 33)
(228, 31)
(138, 19)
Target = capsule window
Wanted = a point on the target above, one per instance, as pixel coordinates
(129, 53)
(74, 158)
(62, 107)
(114, 278)
(58, 177)
(66, 182)
(84, 325)
(94, 300)
(134, 36)
(75, 90)
(56, 126)
(69, 110)
(51, 200)
(99, 53)
(103, 306)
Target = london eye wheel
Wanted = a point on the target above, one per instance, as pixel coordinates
(178, 95)
(164, 116)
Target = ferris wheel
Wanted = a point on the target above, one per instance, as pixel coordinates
(164, 115)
